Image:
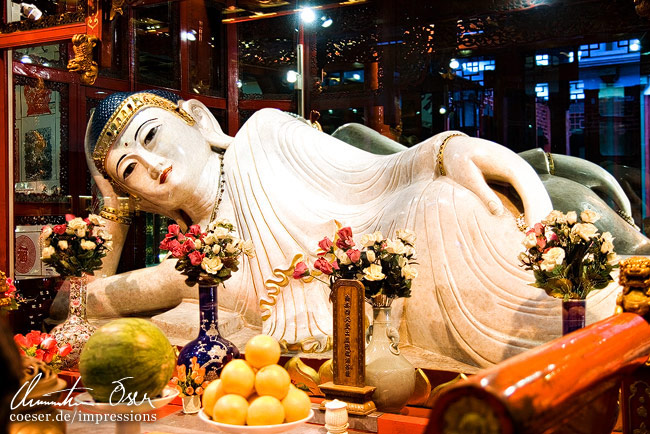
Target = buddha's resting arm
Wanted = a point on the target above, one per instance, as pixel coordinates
(156, 288)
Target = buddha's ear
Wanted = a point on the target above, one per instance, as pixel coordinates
(207, 123)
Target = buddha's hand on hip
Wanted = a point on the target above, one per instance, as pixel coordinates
(474, 162)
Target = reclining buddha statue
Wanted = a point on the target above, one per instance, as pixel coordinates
(284, 185)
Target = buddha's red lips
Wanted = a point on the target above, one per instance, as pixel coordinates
(163, 176)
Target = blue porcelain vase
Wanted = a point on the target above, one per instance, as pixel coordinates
(210, 349)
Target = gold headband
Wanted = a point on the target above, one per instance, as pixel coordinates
(121, 117)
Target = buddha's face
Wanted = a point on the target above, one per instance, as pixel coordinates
(159, 158)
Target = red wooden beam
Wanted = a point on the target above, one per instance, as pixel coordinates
(41, 36)
(551, 384)
(6, 188)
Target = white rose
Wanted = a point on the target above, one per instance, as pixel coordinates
(197, 243)
(586, 231)
(612, 257)
(589, 216)
(248, 248)
(523, 257)
(410, 251)
(96, 220)
(108, 245)
(209, 239)
(81, 232)
(63, 245)
(88, 245)
(606, 247)
(395, 247)
(373, 272)
(104, 235)
(530, 241)
(77, 223)
(553, 257)
(47, 252)
(370, 255)
(406, 235)
(409, 272)
(342, 257)
(607, 237)
(231, 247)
(211, 265)
(402, 262)
(216, 249)
(367, 240)
(378, 236)
(220, 232)
(554, 217)
(46, 232)
(571, 217)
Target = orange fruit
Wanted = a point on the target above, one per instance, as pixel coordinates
(211, 394)
(262, 350)
(296, 405)
(265, 410)
(272, 380)
(237, 377)
(231, 409)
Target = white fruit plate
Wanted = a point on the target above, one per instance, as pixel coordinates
(261, 429)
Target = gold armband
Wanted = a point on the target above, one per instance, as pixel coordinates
(111, 214)
(441, 166)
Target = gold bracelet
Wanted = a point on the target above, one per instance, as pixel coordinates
(114, 218)
(521, 222)
(441, 166)
(109, 210)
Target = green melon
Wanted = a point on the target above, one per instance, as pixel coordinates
(127, 347)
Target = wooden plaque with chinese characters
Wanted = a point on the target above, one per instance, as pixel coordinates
(349, 339)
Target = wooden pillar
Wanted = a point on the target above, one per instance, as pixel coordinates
(232, 68)
(6, 189)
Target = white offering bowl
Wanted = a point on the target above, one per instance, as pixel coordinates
(261, 429)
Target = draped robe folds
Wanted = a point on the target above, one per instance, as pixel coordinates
(472, 301)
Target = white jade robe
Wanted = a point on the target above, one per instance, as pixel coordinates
(289, 183)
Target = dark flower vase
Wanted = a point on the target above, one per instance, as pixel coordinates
(573, 315)
(210, 349)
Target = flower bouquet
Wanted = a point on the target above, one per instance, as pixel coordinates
(569, 258)
(191, 383)
(75, 250)
(76, 247)
(44, 347)
(210, 256)
(8, 296)
(385, 266)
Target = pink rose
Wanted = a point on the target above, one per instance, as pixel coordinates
(552, 237)
(69, 217)
(164, 244)
(300, 271)
(175, 248)
(323, 266)
(335, 265)
(541, 242)
(345, 238)
(87, 221)
(354, 255)
(195, 257)
(59, 229)
(539, 229)
(33, 338)
(65, 350)
(173, 229)
(188, 246)
(195, 230)
(325, 244)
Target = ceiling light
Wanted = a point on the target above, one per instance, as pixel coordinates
(308, 15)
